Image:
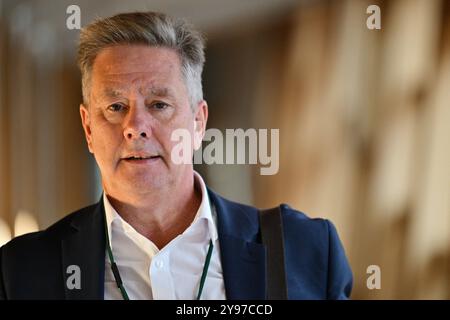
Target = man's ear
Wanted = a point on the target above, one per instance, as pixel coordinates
(86, 122)
(201, 117)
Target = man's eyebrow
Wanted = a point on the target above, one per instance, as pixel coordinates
(112, 93)
(162, 92)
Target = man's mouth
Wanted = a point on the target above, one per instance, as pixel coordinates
(141, 159)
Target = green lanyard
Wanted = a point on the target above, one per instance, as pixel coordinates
(205, 269)
(118, 279)
(114, 268)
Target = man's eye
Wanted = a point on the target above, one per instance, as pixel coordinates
(160, 105)
(116, 107)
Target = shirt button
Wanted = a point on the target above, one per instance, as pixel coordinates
(159, 264)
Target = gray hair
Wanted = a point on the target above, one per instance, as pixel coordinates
(149, 28)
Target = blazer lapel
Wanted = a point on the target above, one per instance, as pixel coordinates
(243, 257)
(83, 252)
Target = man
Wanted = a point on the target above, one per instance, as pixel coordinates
(158, 232)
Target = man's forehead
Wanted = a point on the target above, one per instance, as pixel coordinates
(151, 90)
(125, 59)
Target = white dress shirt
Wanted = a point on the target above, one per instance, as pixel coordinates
(171, 273)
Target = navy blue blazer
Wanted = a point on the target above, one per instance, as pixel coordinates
(34, 266)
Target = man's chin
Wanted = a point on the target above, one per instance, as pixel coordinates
(144, 185)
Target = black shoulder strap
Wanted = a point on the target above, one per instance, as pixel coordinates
(272, 237)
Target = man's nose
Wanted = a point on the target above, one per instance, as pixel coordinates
(137, 124)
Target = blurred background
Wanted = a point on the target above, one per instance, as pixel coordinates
(364, 121)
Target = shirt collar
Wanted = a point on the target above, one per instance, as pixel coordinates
(111, 215)
(206, 211)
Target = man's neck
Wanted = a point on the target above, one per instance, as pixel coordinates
(161, 216)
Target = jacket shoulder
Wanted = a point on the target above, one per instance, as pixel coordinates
(316, 240)
(30, 265)
(57, 231)
(306, 233)
(296, 218)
